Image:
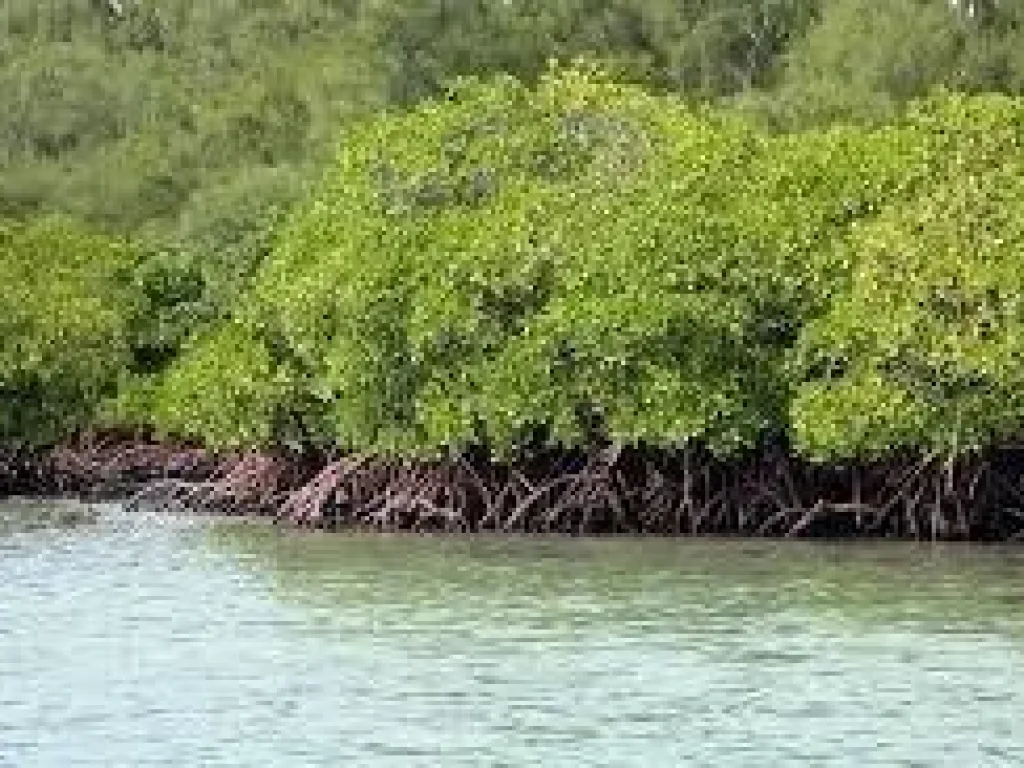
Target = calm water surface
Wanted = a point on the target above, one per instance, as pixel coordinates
(171, 642)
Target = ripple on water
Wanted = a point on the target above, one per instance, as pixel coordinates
(124, 642)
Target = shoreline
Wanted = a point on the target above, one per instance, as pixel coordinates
(606, 492)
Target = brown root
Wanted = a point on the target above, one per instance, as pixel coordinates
(610, 490)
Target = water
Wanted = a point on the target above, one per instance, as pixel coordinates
(172, 642)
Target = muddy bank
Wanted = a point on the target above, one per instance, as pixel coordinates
(607, 491)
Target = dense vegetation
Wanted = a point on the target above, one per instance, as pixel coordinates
(741, 224)
(584, 259)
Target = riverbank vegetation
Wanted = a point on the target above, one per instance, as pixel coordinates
(707, 279)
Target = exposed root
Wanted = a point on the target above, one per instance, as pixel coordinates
(611, 490)
(307, 503)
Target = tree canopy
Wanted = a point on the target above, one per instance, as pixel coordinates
(584, 260)
(923, 350)
(398, 227)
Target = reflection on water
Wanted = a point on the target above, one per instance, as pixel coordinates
(174, 642)
(27, 514)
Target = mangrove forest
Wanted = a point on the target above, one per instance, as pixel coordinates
(598, 266)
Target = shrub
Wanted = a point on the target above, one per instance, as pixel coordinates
(64, 309)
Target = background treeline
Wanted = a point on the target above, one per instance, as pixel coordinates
(760, 219)
(129, 113)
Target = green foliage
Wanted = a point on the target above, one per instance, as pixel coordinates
(705, 49)
(227, 389)
(119, 120)
(194, 268)
(925, 350)
(565, 256)
(64, 309)
(578, 260)
(450, 235)
(863, 60)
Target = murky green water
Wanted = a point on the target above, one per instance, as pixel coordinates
(180, 643)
